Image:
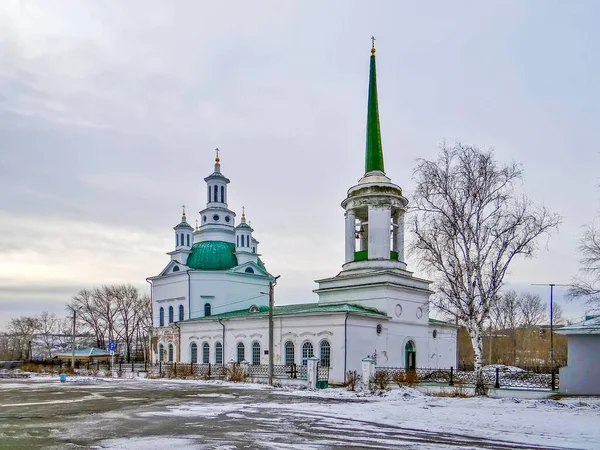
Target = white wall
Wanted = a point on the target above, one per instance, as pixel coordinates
(582, 374)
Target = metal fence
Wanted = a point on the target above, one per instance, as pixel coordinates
(492, 378)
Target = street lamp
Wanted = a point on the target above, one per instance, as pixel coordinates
(551, 322)
(73, 339)
(271, 294)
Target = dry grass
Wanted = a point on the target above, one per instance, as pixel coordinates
(236, 373)
(458, 391)
(352, 378)
(381, 379)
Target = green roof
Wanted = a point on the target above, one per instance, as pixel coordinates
(301, 308)
(374, 151)
(212, 255)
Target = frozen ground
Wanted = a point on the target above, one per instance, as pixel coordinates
(158, 414)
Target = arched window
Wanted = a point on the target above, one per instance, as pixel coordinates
(182, 239)
(161, 317)
(222, 194)
(170, 352)
(241, 352)
(176, 240)
(307, 352)
(256, 354)
(171, 314)
(218, 353)
(247, 240)
(216, 193)
(208, 193)
(207, 309)
(289, 353)
(325, 353)
(194, 353)
(205, 353)
(237, 240)
(180, 312)
(249, 270)
(176, 269)
(161, 352)
(187, 239)
(253, 249)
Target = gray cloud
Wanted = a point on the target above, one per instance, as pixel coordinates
(109, 115)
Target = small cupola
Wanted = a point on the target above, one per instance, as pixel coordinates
(245, 244)
(183, 233)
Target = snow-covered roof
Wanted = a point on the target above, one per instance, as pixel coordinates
(591, 325)
(85, 352)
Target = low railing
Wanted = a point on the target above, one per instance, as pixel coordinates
(493, 378)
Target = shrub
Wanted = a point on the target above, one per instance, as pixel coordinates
(236, 373)
(410, 379)
(352, 378)
(381, 379)
(399, 378)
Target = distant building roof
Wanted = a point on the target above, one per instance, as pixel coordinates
(85, 352)
(591, 325)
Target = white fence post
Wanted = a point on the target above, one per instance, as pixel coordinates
(312, 372)
(368, 371)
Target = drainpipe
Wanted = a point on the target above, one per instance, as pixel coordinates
(189, 296)
(223, 355)
(152, 321)
(345, 343)
(178, 342)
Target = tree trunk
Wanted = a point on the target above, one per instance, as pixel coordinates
(477, 341)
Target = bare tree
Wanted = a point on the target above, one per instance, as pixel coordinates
(533, 309)
(89, 316)
(557, 314)
(506, 313)
(470, 223)
(23, 331)
(587, 284)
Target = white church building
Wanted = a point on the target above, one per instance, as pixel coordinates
(209, 306)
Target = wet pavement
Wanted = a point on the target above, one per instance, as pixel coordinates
(122, 414)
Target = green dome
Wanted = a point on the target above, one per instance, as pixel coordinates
(212, 255)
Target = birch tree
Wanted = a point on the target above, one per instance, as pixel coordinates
(587, 284)
(470, 222)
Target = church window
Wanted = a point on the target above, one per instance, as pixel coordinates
(176, 240)
(204, 218)
(207, 309)
(205, 353)
(161, 317)
(176, 269)
(307, 352)
(218, 353)
(253, 249)
(289, 353)
(161, 353)
(194, 353)
(255, 354)
(171, 314)
(222, 194)
(325, 354)
(241, 352)
(216, 217)
(227, 219)
(249, 270)
(170, 352)
(216, 193)
(247, 241)
(180, 312)
(209, 193)
(187, 239)
(237, 238)
(181, 238)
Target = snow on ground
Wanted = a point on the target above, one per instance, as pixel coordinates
(569, 422)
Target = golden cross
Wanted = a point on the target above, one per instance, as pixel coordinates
(372, 41)
(243, 210)
(217, 151)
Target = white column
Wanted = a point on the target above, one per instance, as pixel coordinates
(395, 233)
(379, 232)
(350, 236)
(401, 238)
(312, 372)
(368, 371)
(364, 237)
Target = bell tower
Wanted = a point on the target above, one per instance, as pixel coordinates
(374, 272)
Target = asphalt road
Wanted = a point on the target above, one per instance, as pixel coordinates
(122, 415)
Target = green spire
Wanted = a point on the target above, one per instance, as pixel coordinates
(374, 153)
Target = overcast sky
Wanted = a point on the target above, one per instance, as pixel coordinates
(110, 111)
